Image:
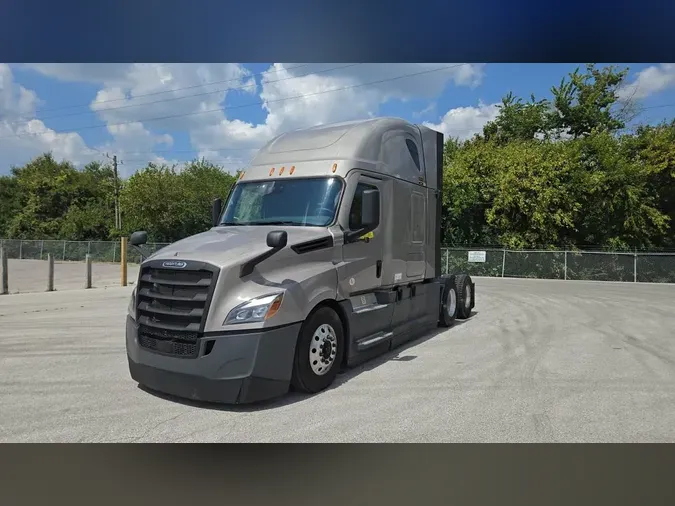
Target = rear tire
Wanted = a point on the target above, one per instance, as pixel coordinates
(319, 351)
(465, 294)
(448, 311)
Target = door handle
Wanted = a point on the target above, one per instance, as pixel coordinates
(378, 268)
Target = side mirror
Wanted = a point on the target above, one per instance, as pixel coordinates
(138, 238)
(370, 208)
(216, 209)
(277, 239)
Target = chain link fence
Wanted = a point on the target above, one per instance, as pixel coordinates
(73, 251)
(645, 267)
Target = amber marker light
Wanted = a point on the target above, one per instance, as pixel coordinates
(281, 170)
(334, 167)
(271, 171)
(274, 308)
(292, 170)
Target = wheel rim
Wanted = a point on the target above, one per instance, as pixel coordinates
(323, 349)
(451, 306)
(467, 302)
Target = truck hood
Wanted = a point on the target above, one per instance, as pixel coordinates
(225, 246)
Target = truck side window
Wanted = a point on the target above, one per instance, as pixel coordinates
(355, 211)
(414, 153)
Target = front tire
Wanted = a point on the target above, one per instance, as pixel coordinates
(319, 352)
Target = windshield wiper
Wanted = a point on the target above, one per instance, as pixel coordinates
(229, 224)
(277, 222)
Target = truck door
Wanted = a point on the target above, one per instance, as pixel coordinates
(362, 268)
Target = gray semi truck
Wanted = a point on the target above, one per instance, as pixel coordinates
(325, 254)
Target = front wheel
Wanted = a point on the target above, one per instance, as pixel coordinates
(319, 351)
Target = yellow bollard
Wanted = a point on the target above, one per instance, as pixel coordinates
(123, 261)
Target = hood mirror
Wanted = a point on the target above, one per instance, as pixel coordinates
(138, 238)
(277, 239)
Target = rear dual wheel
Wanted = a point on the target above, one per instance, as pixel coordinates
(465, 301)
(457, 300)
(448, 312)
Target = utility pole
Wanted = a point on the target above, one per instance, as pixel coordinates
(118, 212)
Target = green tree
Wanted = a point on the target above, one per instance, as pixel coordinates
(91, 215)
(204, 182)
(585, 102)
(525, 185)
(171, 205)
(618, 210)
(467, 192)
(653, 149)
(153, 200)
(56, 201)
(519, 120)
(521, 194)
(10, 202)
(47, 189)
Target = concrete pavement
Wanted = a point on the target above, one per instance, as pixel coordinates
(539, 361)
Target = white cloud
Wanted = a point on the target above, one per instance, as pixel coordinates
(176, 92)
(22, 140)
(110, 73)
(15, 100)
(293, 99)
(132, 93)
(465, 122)
(649, 81)
(134, 137)
(402, 80)
(292, 95)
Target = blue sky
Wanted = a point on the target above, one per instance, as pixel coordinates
(175, 112)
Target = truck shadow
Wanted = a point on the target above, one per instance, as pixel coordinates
(345, 375)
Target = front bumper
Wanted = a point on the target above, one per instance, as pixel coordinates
(239, 368)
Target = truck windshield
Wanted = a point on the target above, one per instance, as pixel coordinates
(310, 202)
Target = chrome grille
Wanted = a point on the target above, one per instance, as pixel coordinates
(172, 305)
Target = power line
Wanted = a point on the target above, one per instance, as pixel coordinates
(657, 106)
(220, 109)
(253, 148)
(258, 74)
(208, 159)
(180, 98)
(231, 164)
(197, 150)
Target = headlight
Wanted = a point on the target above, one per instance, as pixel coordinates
(132, 304)
(255, 310)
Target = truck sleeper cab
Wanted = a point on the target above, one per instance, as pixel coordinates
(326, 254)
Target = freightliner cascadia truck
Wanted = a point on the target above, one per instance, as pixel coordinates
(326, 254)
